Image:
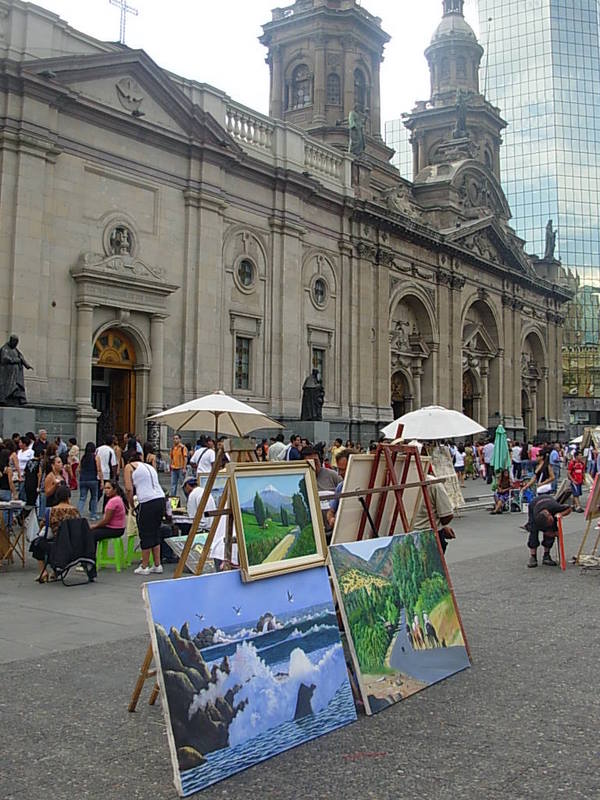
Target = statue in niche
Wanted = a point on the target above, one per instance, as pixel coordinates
(356, 123)
(12, 378)
(313, 398)
(550, 242)
(120, 242)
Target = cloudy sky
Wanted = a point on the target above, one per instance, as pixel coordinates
(216, 42)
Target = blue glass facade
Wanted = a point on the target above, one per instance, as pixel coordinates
(542, 68)
(398, 137)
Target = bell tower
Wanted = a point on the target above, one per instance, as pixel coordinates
(457, 122)
(324, 57)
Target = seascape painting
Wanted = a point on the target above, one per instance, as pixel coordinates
(246, 670)
(278, 520)
(400, 616)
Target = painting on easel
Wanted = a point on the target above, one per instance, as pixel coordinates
(278, 522)
(246, 670)
(400, 616)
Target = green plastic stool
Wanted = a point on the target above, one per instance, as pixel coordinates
(118, 560)
(133, 554)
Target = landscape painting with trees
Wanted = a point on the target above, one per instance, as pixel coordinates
(400, 616)
(277, 519)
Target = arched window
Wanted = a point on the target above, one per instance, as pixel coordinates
(360, 89)
(334, 90)
(301, 87)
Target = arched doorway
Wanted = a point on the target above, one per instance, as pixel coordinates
(113, 383)
(468, 395)
(400, 395)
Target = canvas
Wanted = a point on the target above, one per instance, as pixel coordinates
(246, 670)
(278, 521)
(350, 511)
(400, 617)
(177, 543)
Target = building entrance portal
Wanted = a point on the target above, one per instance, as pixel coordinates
(113, 384)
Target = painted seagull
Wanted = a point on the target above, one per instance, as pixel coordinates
(237, 610)
(290, 597)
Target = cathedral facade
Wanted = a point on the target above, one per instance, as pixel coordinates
(159, 240)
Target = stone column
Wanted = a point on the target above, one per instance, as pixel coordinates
(417, 376)
(533, 413)
(276, 83)
(155, 388)
(485, 411)
(320, 83)
(86, 414)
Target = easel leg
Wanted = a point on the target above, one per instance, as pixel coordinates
(142, 677)
(154, 694)
(583, 541)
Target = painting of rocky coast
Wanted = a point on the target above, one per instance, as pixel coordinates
(246, 670)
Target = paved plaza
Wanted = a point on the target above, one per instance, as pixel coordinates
(522, 723)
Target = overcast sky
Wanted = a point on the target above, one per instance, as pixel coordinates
(216, 42)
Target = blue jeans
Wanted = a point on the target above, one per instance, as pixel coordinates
(175, 478)
(556, 470)
(92, 488)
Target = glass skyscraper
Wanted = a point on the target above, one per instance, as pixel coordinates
(542, 68)
(398, 137)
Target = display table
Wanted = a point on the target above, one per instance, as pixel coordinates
(12, 536)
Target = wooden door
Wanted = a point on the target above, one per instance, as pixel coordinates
(122, 401)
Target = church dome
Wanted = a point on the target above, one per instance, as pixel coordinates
(453, 25)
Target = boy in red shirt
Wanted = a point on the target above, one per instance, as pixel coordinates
(576, 470)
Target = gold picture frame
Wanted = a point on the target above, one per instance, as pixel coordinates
(281, 531)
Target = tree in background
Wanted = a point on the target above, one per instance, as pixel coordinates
(300, 511)
(284, 516)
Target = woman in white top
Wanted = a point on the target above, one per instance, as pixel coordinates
(141, 480)
(459, 463)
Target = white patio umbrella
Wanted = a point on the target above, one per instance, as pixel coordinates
(577, 440)
(433, 422)
(217, 411)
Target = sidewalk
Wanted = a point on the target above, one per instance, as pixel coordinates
(522, 723)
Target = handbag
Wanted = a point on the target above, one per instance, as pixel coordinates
(32, 528)
(545, 489)
(131, 528)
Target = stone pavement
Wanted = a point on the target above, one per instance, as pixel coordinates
(522, 723)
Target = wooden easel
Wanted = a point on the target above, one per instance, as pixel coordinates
(390, 452)
(592, 512)
(145, 672)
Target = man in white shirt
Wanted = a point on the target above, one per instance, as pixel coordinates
(204, 457)
(107, 458)
(277, 449)
(488, 454)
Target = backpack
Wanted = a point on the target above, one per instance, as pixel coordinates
(30, 481)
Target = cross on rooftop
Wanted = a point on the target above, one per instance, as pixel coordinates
(125, 9)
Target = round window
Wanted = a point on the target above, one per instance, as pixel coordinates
(246, 273)
(320, 292)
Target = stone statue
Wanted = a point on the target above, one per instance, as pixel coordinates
(550, 242)
(462, 103)
(313, 397)
(356, 124)
(12, 381)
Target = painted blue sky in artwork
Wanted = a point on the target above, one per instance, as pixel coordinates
(366, 547)
(285, 484)
(174, 602)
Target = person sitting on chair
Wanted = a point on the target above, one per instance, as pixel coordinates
(502, 493)
(61, 510)
(113, 522)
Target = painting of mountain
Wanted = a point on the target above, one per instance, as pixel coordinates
(278, 521)
(245, 678)
(401, 619)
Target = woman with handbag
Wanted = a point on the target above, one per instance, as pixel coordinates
(543, 477)
(141, 480)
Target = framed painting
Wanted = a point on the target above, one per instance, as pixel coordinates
(400, 615)
(277, 516)
(350, 510)
(246, 670)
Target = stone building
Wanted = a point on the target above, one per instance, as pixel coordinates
(159, 240)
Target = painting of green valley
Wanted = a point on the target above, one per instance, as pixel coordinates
(400, 616)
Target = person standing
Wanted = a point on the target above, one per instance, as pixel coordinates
(576, 472)
(336, 448)
(294, 449)
(73, 463)
(277, 449)
(488, 454)
(515, 457)
(204, 458)
(459, 463)
(24, 456)
(141, 480)
(108, 459)
(53, 480)
(40, 443)
(178, 455)
(543, 475)
(90, 477)
(556, 464)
